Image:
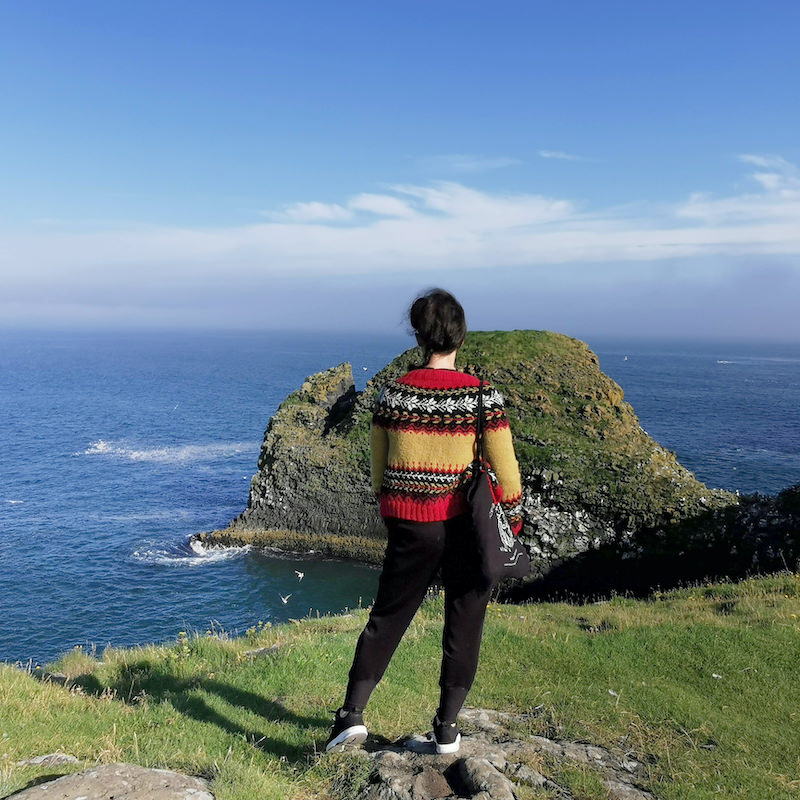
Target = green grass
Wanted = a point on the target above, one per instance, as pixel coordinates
(254, 726)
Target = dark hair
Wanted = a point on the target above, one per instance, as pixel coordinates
(438, 322)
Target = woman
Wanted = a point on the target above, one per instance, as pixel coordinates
(423, 436)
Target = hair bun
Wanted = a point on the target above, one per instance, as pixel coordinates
(438, 321)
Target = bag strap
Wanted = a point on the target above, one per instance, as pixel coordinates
(479, 425)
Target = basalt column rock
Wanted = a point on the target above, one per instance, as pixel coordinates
(308, 478)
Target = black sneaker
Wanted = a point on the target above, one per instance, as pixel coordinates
(446, 736)
(348, 728)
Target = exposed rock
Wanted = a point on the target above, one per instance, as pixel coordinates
(48, 760)
(619, 790)
(307, 480)
(395, 777)
(759, 534)
(522, 773)
(491, 761)
(591, 474)
(430, 783)
(478, 775)
(119, 782)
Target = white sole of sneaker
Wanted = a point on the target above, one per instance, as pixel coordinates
(356, 734)
(449, 748)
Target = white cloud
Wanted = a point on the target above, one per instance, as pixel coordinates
(423, 227)
(560, 154)
(383, 205)
(777, 198)
(485, 211)
(766, 162)
(464, 162)
(311, 212)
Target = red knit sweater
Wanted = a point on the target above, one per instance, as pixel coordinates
(423, 437)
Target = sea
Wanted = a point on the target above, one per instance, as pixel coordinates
(116, 447)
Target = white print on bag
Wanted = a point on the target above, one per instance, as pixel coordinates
(503, 526)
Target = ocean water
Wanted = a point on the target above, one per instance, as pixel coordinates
(728, 410)
(116, 447)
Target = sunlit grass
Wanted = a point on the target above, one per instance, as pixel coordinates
(700, 684)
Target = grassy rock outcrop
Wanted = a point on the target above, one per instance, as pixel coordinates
(591, 474)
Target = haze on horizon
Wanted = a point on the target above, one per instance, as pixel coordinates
(614, 170)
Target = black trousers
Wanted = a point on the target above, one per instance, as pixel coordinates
(415, 553)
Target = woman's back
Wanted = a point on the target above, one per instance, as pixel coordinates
(423, 436)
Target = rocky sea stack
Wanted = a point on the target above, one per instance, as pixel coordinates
(592, 477)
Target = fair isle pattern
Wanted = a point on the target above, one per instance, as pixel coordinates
(421, 482)
(444, 402)
(423, 439)
(414, 407)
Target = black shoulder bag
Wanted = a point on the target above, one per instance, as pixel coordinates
(501, 553)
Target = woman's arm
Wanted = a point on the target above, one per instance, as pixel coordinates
(501, 457)
(379, 442)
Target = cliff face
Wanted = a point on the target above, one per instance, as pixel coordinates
(591, 475)
(313, 473)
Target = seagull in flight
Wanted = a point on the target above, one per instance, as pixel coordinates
(299, 574)
(285, 599)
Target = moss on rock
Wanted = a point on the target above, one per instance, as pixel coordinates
(591, 474)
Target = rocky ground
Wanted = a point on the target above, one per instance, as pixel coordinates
(495, 759)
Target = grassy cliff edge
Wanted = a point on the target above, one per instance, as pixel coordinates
(698, 684)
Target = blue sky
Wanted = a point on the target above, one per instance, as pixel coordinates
(617, 168)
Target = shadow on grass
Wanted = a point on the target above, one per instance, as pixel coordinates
(148, 678)
(39, 779)
(760, 535)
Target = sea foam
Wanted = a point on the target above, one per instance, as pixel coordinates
(189, 553)
(168, 454)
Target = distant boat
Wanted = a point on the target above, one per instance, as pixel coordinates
(625, 359)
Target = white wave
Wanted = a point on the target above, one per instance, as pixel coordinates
(168, 454)
(191, 553)
(724, 362)
(15, 502)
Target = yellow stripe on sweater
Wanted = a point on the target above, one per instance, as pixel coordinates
(420, 450)
(445, 452)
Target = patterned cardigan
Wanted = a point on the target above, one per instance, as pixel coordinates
(423, 438)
